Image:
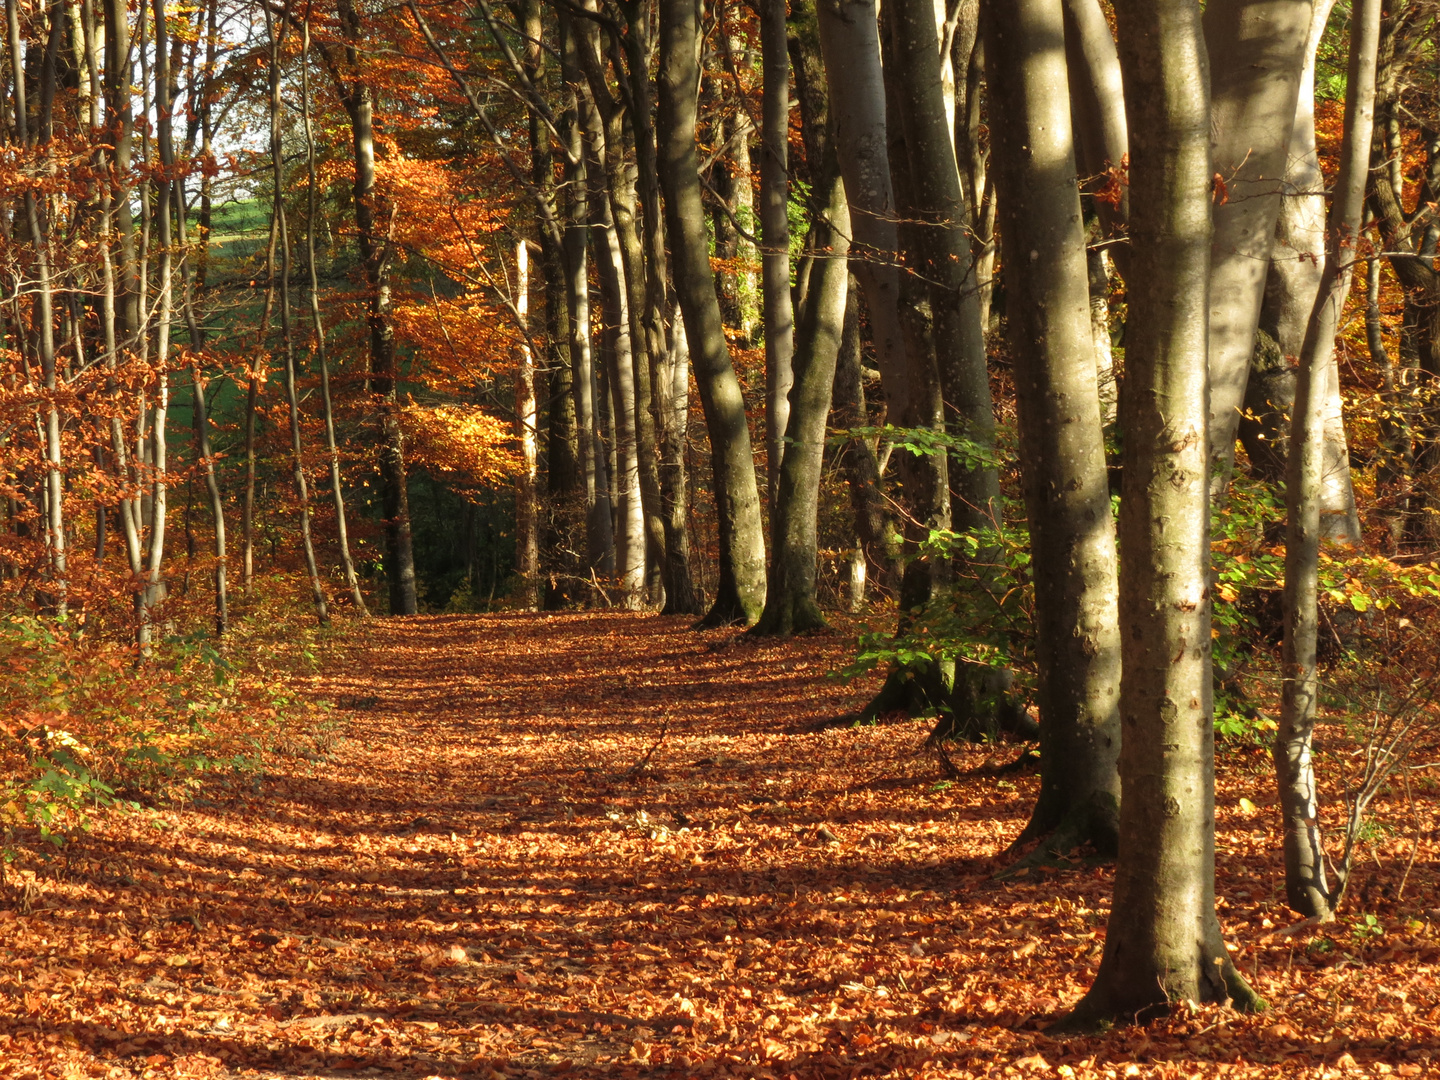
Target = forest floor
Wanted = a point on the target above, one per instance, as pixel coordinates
(607, 845)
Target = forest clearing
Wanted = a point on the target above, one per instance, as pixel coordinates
(601, 844)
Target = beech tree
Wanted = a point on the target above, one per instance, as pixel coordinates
(1164, 942)
(1061, 431)
(1306, 887)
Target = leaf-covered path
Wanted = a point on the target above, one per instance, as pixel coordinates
(607, 845)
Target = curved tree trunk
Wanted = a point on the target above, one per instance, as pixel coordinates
(740, 592)
(342, 530)
(1164, 943)
(1306, 889)
(1062, 435)
(790, 604)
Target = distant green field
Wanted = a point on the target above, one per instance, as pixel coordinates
(238, 218)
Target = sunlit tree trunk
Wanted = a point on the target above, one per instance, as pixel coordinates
(599, 526)
(875, 535)
(1306, 889)
(1256, 50)
(779, 314)
(940, 253)
(790, 603)
(1164, 943)
(850, 43)
(740, 592)
(154, 592)
(527, 508)
(1061, 429)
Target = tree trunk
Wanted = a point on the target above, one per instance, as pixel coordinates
(373, 223)
(1256, 50)
(599, 525)
(775, 236)
(1306, 889)
(790, 604)
(669, 371)
(1291, 287)
(850, 43)
(629, 567)
(287, 334)
(154, 592)
(337, 494)
(875, 535)
(940, 253)
(1164, 944)
(527, 507)
(1061, 429)
(1097, 97)
(740, 590)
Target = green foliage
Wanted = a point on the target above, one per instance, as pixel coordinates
(90, 727)
(985, 618)
(1358, 592)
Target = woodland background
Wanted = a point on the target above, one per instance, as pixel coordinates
(767, 316)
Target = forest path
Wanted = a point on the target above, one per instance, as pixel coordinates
(604, 844)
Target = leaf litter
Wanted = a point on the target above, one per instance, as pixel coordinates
(604, 844)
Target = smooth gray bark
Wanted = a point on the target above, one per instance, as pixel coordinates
(940, 253)
(1306, 889)
(850, 44)
(1061, 428)
(1163, 943)
(1257, 52)
(740, 592)
(790, 603)
(775, 234)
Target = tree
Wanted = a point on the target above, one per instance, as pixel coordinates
(1164, 942)
(740, 593)
(790, 603)
(1306, 888)
(377, 254)
(1061, 429)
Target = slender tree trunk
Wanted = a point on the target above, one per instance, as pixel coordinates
(297, 458)
(1256, 50)
(201, 414)
(527, 506)
(43, 310)
(1061, 429)
(1292, 285)
(775, 236)
(669, 373)
(1306, 889)
(850, 43)
(154, 593)
(374, 221)
(876, 538)
(1097, 96)
(1396, 458)
(741, 587)
(1164, 943)
(337, 493)
(790, 603)
(941, 255)
(618, 261)
(599, 525)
